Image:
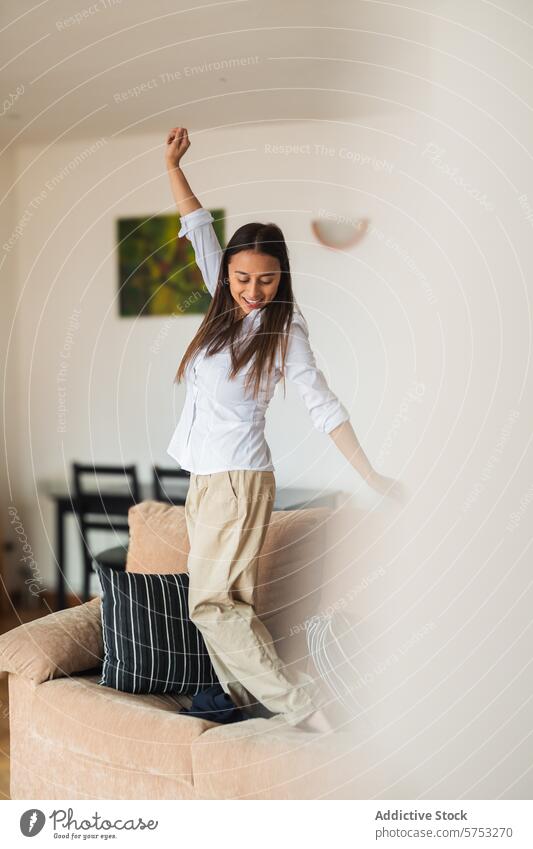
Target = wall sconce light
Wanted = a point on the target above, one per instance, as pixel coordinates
(339, 232)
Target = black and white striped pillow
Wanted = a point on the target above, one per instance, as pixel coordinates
(150, 643)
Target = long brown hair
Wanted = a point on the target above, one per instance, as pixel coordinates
(220, 325)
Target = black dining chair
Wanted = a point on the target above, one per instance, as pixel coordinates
(115, 558)
(160, 474)
(104, 507)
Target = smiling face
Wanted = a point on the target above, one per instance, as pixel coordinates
(253, 280)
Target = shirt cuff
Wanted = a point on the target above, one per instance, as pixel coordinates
(336, 419)
(194, 219)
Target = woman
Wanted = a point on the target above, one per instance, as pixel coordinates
(251, 336)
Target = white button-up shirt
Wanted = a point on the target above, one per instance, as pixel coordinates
(221, 427)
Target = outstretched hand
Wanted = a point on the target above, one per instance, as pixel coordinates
(388, 486)
(177, 145)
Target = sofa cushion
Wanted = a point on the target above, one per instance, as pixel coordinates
(150, 643)
(289, 569)
(92, 742)
(72, 739)
(290, 578)
(269, 759)
(158, 539)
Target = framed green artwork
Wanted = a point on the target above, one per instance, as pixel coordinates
(157, 274)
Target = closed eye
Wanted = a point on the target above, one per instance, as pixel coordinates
(268, 279)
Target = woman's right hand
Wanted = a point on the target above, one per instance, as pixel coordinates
(177, 145)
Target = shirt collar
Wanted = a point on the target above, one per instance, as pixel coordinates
(252, 318)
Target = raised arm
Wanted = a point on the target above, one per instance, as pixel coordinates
(198, 227)
(177, 145)
(196, 222)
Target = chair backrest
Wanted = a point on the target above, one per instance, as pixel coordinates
(159, 475)
(95, 505)
(104, 507)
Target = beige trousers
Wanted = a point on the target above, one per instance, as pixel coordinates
(227, 516)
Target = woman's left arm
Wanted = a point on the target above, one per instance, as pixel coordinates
(328, 413)
(346, 441)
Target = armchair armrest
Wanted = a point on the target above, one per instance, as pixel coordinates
(56, 645)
